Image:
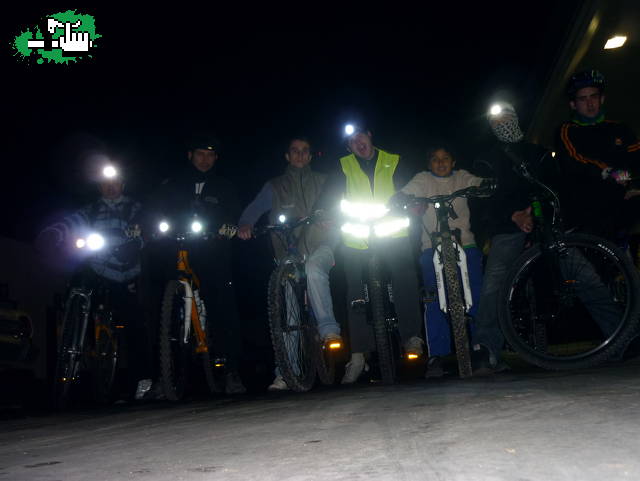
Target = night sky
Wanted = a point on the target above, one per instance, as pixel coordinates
(255, 78)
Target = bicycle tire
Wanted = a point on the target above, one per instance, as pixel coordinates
(456, 308)
(614, 271)
(103, 369)
(175, 354)
(214, 383)
(387, 362)
(291, 332)
(67, 362)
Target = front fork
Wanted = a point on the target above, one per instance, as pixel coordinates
(461, 257)
(194, 313)
(77, 346)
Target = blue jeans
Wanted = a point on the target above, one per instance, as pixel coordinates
(438, 331)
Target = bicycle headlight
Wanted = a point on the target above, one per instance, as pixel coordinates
(95, 242)
(363, 211)
(196, 226)
(163, 226)
(80, 243)
(282, 218)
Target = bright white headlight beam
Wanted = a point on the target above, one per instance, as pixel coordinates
(95, 242)
(349, 129)
(495, 109)
(196, 226)
(282, 218)
(80, 243)
(163, 226)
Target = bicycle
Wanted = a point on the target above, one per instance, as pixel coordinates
(184, 333)
(89, 335)
(370, 222)
(450, 263)
(300, 354)
(563, 277)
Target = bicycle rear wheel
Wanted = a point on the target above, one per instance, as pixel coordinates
(383, 336)
(174, 350)
(291, 331)
(582, 295)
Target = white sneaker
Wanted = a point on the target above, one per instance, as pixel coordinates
(354, 368)
(278, 385)
(143, 387)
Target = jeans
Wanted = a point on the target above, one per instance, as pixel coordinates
(317, 268)
(397, 256)
(505, 249)
(438, 331)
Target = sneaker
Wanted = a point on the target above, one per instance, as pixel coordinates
(434, 368)
(278, 384)
(354, 368)
(481, 361)
(415, 345)
(156, 393)
(144, 385)
(233, 384)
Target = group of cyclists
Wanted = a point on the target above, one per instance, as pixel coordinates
(593, 154)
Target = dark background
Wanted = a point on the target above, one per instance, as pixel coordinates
(254, 78)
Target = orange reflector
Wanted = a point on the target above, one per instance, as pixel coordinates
(335, 345)
(219, 365)
(412, 356)
(119, 327)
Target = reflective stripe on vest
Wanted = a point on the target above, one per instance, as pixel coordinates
(359, 188)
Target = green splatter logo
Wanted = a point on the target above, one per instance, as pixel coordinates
(60, 38)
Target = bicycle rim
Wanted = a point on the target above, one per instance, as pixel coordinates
(384, 339)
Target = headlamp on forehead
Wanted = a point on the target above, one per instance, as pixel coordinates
(501, 108)
(109, 172)
(349, 130)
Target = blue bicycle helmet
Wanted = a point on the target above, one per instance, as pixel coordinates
(586, 78)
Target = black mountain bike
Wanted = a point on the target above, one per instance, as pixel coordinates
(299, 351)
(570, 300)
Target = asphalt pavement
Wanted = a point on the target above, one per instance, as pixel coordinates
(529, 425)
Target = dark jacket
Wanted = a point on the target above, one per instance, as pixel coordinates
(180, 198)
(513, 192)
(583, 151)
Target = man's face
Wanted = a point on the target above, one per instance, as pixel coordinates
(111, 189)
(203, 159)
(299, 153)
(361, 145)
(441, 163)
(588, 102)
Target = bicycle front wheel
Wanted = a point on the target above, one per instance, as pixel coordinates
(383, 336)
(581, 296)
(104, 359)
(456, 308)
(291, 332)
(69, 350)
(174, 349)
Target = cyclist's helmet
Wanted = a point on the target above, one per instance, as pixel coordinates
(586, 78)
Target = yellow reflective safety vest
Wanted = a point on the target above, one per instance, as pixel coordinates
(359, 188)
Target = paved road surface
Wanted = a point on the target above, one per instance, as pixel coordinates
(525, 426)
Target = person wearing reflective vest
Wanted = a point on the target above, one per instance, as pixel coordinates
(371, 175)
